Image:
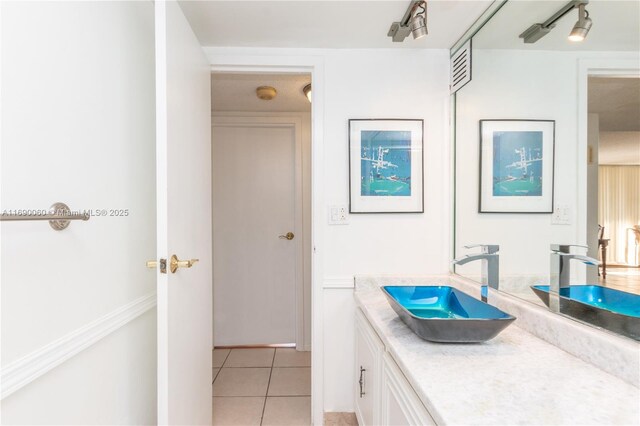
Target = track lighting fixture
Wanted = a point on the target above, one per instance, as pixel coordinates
(582, 27)
(579, 32)
(413, 22)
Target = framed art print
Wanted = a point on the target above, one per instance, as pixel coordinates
(516, 166)
(386, 166)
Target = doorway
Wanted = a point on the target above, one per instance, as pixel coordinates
(614, 178)
(261, 183)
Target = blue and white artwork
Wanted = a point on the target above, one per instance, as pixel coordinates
(517, 163)
(385, 163)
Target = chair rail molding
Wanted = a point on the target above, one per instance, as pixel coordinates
(22, 371)
(338, 282)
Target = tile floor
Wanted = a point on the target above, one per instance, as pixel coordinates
(261, 387)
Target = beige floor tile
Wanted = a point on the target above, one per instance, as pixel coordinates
(287, 411)
(219, 355)
(215, 373)
(290, 381)
(262, 357)
(340, 419)
(289, 357)
(241, 411)
(241, 382)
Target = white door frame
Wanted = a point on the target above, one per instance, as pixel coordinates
(603, 67)
(313, 65)
(295, 123)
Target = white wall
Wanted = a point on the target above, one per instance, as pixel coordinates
(380, 84)
(376, 83)
(78, 127)
(387, 84)
(518, 84)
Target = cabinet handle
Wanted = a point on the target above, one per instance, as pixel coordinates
(361, 381)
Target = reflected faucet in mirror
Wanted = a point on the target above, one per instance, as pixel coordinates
(518, 81)
(490, 265)
(561, 257)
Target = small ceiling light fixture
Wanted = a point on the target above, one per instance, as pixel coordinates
(266, 93)
(579, 32)
(413, 22)
(582, 27)
(307, 91)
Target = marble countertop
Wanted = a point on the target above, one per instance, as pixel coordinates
(515, 378)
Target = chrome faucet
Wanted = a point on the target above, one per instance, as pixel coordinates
(561, 257)
(490, 266)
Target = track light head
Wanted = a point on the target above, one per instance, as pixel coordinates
(582, 27)
(418, 23)
(418, 26)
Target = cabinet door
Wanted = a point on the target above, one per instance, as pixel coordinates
(400, 405)
(369, 350)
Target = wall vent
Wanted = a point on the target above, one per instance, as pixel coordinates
(461, 67)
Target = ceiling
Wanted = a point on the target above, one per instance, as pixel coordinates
(324, 24)
(619, 148)
(237, 92)
(617, 102)
(616, 26)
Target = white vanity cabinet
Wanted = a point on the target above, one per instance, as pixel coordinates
(369, 350)
(383, 397)
(400, 405)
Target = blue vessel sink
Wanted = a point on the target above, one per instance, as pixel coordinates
(445, 314)
(604, 307)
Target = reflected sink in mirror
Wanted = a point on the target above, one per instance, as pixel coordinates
(614, 310)
(594, 193)
(445, 314)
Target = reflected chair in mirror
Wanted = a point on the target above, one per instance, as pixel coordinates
(635, 260)
(602, 249)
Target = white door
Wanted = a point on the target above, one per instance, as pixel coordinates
(183, 158)
(255, 266)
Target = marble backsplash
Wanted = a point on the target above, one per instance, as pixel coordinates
(518, 285)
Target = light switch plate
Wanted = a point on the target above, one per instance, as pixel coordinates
(561, 215)
(339, 215)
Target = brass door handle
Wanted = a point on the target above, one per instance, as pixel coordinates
(175, 263)
(152, 264)
(288, 236)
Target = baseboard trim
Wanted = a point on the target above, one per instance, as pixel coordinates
(21, 372)
(259, 346)
(338, 283)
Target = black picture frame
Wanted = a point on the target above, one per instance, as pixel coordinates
(542, 204)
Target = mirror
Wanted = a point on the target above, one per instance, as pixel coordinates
(547, 151)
